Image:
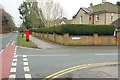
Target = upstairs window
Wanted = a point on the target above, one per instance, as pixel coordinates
(112, 16)
(97, 17)
(90, 18)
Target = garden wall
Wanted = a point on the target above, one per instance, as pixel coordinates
(118, 38)
(82, 40)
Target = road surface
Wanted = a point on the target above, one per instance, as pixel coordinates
(6, 39)
(41, 63)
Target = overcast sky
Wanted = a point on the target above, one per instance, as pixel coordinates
(70, 7)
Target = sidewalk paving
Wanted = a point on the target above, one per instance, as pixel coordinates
(110, 71)
(45, 45)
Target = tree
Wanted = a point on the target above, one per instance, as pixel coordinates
(7, 21)
(118, 3)
(30, 14)
(36, 19)
(24, 10)
(51, 11)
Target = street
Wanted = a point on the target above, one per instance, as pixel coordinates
(6, 39)
(41, 63)
(59, 39)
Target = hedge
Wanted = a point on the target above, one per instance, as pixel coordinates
(77, 29)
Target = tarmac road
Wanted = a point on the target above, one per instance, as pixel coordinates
(6, 39)
(40, 63)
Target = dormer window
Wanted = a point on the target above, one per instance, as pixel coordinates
(112, 16)
(97, 17)
(90, 18)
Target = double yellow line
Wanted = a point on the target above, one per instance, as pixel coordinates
(57, 74)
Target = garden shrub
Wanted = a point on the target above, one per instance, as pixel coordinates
(77, 29)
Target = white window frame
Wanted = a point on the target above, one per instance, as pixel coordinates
(90, 18)
(112, 16)
(81, 19)
(97, 17)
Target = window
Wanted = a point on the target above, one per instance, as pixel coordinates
(112, 16)
(90, 18)
(80, 19)
(97, 17)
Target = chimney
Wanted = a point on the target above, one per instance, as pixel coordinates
(91, 4)
(103, 1)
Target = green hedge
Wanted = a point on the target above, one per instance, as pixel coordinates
(77, 29)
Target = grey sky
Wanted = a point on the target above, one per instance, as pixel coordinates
(70, 7)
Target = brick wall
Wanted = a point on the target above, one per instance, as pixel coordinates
(85, 40)
(118, 38)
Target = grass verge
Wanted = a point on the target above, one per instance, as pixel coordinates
(22, 42)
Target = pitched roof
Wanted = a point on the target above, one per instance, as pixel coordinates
(107, 6)
(87, 10)
(103, 7)
(117, 23)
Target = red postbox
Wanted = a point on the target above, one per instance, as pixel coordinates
(27, 35)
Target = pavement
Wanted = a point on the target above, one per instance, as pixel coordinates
(110, 71)
(63, 61)
(55, 46)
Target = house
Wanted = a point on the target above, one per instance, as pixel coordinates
(117, 24)
(103, 13)
(64, 20)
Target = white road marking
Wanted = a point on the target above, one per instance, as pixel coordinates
(12, 76)
(1, 51)
(15, 56)
(25, 63)
(27, 76)
(26, 69)
(13, 70)
(46, 55)
(14, 63)
(15, 53)
(25, 59)
(14, 59)
(24, 55)
(105, 54)
(15, 50)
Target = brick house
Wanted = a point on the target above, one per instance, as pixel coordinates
(103, 13)
(64, 20)
(117, 24)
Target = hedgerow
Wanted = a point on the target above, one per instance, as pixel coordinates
(77, 29)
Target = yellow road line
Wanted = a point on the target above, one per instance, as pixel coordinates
(13, 43)
(57, 74)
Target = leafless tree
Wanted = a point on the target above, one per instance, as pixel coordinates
(51, 11)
